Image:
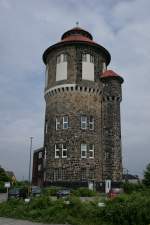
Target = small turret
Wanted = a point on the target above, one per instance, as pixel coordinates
(111, 129)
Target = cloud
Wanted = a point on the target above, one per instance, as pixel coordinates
(29, 27)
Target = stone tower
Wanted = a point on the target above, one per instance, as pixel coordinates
(82, 138)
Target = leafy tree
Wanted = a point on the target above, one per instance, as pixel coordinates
(3, 175)
(146, 179)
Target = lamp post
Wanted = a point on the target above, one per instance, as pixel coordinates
(31, 138)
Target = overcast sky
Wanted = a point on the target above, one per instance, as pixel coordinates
(28, 27)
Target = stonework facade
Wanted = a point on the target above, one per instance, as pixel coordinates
(82, 138)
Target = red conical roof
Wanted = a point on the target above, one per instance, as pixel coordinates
(77, 35)
(111, 74)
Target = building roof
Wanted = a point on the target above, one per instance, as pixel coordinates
(111, 74)
(38, 150)
(77, 35)
(130, 177)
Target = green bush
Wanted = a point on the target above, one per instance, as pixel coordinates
(128, 210)
(130, 187)
(83, 192)
(51, 191)
(132, 209)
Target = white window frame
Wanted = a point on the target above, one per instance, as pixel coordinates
(107, 155)
(83, 122)
(40, 155)
(64, 149)
(83, 149)
(65, 122)
(57, 150)
(91, 123)
(39, 167)
(91, 150)
(57, 123)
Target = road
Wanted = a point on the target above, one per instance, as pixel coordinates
(6, 221)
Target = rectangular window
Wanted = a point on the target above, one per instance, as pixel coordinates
(84, 57)
(39, 167)
(65, 122)
(64, 151)
(91, 123)
(91, 58)
(91, 151)
(83, 173)
(107, 155)
(57, 123)
(91, 174)
(83, 122)
(57, 151)
(83, 151)
(40, 155)
(57, 174)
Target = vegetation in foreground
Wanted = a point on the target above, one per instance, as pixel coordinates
(131, 208)
(126, 209)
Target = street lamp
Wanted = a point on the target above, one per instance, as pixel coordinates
(31, 138)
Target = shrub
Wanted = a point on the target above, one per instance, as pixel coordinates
(84, 192)
(128, 210)
(51, 191)
(130, 187)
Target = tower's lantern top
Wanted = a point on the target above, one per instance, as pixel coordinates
(77, 33)
(77, 36)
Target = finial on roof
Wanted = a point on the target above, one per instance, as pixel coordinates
(77, 24)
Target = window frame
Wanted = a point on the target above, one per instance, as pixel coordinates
(39, 167)
(83, 150)
(57, 123)
(64, 149)
(83, 122)
(65, 122)
(91, 123)
(40, 155)
(57, 150)
(91, 150)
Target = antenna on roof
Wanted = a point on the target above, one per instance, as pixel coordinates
(77, 24)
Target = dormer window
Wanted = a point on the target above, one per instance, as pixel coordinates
(61, 67)
(88, 67)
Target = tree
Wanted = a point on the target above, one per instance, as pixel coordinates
(3, 176)
(146, 179)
